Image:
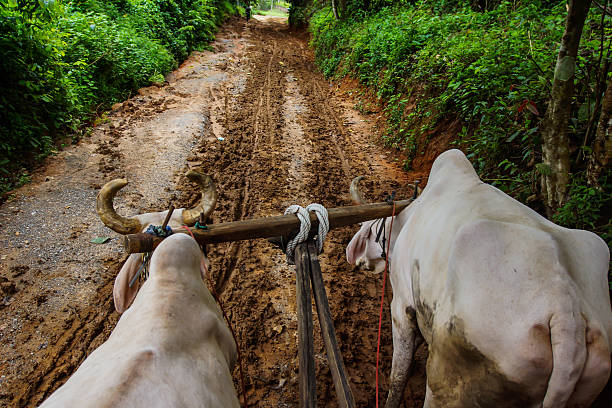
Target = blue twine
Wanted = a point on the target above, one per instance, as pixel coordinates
(158, 231)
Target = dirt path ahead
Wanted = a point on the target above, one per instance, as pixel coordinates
(271, 131)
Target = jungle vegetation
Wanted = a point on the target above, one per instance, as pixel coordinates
(65, 61)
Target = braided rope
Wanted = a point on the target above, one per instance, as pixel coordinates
(302, 236)
(321, 213)
(304, 217)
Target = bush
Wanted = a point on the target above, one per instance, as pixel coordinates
(107, 63)
(63, 61)
(35, 95)
(477, 66)
(589, 208)
(585, 205)
(297, 16)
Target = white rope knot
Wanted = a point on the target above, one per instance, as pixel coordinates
(321, 213)
(304, 217)
(302, 236)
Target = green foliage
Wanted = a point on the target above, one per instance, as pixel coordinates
(32, 85)
(108, 62)
(585, 204)
(64, 60)
(589, 208)
(263, 5)
(274, 12)
(478, 66)
(490, 69)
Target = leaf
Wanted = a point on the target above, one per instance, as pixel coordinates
(513, 136)
(100, 240)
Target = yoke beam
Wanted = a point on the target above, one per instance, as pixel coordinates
(283, 225)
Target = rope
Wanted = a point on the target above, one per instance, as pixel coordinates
(304, 217)
(302, 236)
(382, 298)
(143, 271)
(200, 226)
(144, 267)
(322, 215)
(211, 283)
(381, 232)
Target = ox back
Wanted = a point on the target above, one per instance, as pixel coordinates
(171, 348)
(515, 309)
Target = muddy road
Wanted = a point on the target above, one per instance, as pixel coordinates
(257, 116)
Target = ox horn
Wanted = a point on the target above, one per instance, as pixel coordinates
(107, 213)
(207, 202)
(355, 193)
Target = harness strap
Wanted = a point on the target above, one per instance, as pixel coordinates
(382, 232)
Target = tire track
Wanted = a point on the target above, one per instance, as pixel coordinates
(261, 127)
(87, 327)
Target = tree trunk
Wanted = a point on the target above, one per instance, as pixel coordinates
(334, 9)
(555, 141)
(602, 145)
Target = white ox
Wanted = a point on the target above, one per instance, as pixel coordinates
(515, 309)
(171, 348)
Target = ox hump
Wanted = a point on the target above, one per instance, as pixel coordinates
(450, 164)
(178, 251)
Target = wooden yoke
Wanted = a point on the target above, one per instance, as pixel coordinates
(284, 225)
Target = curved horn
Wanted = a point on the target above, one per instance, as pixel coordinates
(355, 194)
(207, 202)
(107, 213)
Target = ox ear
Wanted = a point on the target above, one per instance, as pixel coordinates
(123, 295)
(357, 247)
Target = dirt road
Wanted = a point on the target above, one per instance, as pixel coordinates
(272, 132)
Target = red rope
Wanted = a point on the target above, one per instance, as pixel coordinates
(382, 298)
(211, 283)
